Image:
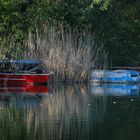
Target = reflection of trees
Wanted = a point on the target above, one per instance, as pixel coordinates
(69, 113)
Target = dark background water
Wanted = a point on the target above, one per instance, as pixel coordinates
(71, 112)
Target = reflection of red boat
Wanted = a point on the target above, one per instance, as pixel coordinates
(23, 72)
(27, 89)
(25, 95)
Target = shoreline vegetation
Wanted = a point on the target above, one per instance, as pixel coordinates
(71, 55)
(71, 37)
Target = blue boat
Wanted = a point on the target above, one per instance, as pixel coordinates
(115, 76)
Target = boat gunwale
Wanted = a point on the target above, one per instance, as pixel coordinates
(40, 74)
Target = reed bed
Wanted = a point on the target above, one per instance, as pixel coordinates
(70, 54)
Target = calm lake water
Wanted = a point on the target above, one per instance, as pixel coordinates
(70, 112)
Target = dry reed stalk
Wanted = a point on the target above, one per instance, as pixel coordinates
(69, 54)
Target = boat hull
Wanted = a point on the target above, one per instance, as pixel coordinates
(117, 76)
(12, 78)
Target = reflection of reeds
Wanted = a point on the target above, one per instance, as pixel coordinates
(70, 54)
(69, 113)
(66, 102)
(70, 107)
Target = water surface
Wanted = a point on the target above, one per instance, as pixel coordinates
(70, 112)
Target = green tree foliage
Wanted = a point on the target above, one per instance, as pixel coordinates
(120, 29)
(12, 25)
(23, 14)
(19, 16)
(114, 22)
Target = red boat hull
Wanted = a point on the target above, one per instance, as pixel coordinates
(12, 78)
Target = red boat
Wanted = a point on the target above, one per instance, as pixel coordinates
(23, 72)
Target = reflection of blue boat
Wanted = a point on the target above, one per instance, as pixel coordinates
(115, 76)
(115, 89)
